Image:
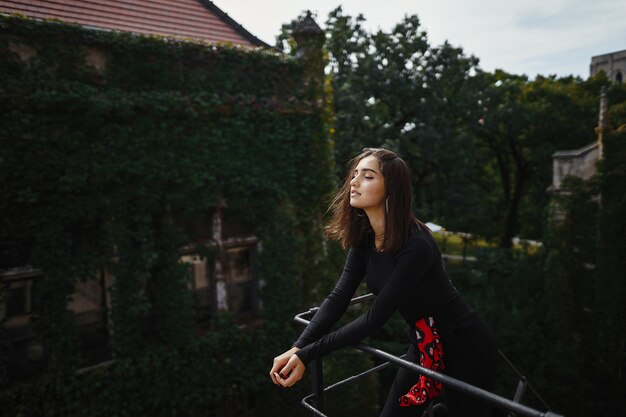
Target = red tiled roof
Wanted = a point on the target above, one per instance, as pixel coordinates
(199, 19)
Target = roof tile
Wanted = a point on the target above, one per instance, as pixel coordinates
(182, 18)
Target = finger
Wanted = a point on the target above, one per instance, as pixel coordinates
(286, 370)
(281, 377)
(276, 370)
(277, 379)
(273, 377)
(278, 363)
(281, 380)
(273, 372)
(292, 372)
(276, 367)
(283, 374)
(294, 377)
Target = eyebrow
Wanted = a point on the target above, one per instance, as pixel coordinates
(367, 169)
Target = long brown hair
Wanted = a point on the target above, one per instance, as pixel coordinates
(350, 225)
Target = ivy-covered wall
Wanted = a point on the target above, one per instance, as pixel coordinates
(110, 142)
(585, 268)
(570, 267)
(609, 284)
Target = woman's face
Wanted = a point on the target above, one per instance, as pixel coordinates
(367, 187)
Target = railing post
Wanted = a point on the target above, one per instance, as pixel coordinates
(521, 388)
(317, 383)
(519, 392)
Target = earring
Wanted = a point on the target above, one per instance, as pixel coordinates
(358, 213)
(387, 205)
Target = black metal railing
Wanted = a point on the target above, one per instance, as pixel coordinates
(315, 401)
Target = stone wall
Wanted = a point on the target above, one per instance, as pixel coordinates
(613, 65)
(579, 163)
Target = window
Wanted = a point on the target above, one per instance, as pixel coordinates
(88, 304)
(236, 287)
(200, 285)
(24, 351)
(619, 77)
(225, 280)
(18, 288)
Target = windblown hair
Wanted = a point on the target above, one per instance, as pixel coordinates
(351, 226)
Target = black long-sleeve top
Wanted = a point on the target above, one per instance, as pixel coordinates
(411, 280)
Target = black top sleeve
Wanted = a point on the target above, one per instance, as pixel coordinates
(412, 262)
(337, 301)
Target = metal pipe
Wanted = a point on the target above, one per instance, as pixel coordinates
(519, 393)
(317, 382)
(455, 383)
(446, 380)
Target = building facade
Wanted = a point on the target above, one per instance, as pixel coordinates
(612, 64)
(225, 235)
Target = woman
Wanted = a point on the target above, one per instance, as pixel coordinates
(372, 215)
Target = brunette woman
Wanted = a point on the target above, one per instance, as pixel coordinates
(396, 253)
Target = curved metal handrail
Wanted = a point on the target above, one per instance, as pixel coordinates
(317, 396)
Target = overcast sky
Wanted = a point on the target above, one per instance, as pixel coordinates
(522, 37)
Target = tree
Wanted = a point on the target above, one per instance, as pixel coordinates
(394, 89)
(479, 144)
(523, 123)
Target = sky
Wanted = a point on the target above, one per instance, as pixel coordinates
(521, 37)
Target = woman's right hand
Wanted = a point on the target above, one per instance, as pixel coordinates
(279, 363)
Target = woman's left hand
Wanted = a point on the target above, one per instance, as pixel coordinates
(291, 373)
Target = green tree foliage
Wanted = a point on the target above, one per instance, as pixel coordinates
(396, 90)
(616, 97)
(571, 260)
(609, 287)
(479, 144)
(523, 123)
(507, 288)
(104, 167)
(197, 379)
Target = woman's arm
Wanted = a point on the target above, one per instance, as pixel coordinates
(337, 301)
(287, 368)
(411, 265)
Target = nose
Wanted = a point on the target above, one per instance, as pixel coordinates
(353, 181)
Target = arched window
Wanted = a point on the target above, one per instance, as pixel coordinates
(618, 77)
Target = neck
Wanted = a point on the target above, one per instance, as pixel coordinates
(377, 221)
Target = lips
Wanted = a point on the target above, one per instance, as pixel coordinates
(354, 192)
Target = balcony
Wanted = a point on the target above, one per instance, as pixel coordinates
(315, 401)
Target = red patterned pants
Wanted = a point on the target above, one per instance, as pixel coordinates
(470, 355)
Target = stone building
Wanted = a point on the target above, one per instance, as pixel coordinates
(577, 162)
(226, 282)
(580, 162)
(613, 64)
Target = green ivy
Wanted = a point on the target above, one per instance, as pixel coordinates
(569, 264)
(609, 287)
(188, 381)
(102, 165)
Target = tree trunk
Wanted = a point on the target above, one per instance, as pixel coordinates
(511, 222)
